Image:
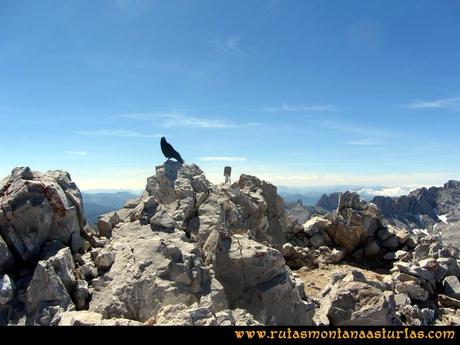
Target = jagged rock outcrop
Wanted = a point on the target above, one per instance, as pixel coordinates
(187, 252)
(351, 300)
(255, 278)
(328, 202)
(185, 247)
(356, 227)
(36, 208)
(435, 208)
(150, 270)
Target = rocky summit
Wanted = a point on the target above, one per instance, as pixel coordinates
(188, 252)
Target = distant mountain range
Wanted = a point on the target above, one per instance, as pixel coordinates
(100, 203)
(433, 209)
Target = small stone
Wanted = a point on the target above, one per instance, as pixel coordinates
(402, 235)
(389, 256)
(391, 242)
(402, 255)
(81, 294)
(6, 289)
(448, 302)
(413, 290)
(372, 250)
(452, 286)
(103, 258)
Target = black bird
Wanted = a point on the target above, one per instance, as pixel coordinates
(169, 151)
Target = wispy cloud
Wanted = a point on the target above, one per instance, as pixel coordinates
(175, 120)
(354, 129)
(446, 103)
(118, 133)
(363, 142)
(289, 108)
(77, 153)
(222, 158)
(230, 45)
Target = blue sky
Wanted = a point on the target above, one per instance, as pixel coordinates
(301, 93)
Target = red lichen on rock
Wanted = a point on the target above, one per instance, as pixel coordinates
(55, 201)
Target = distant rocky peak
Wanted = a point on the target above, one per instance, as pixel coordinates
(452, 184)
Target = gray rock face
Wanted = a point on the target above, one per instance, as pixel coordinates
(88, 318)
(103, 258)
(106, 223)
(263, 210)
(328, 202)
(35, 208)
(352, 300)
(316, 225)
(46, 289)
(150, 270)
(254, 278)
(81, 294)
(197, 315)
(6, 259)
(62, 263)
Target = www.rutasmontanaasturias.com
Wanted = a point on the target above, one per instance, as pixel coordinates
(378, 333)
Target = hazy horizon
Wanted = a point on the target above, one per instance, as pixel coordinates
(298, 93)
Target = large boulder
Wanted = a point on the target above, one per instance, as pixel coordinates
(263, 210)
(354, 222)
(36, 208)
(351, 300)
(255, 278)
(46, 290)
(150, 270)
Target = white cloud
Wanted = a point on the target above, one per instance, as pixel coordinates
(446, 103)
(352, 128)
(77, 153)
(174, 120)
(230, 45)
(118, 133)
(388, 191)
(285, 107)
(177, 120)
(362, 142)
(222, 158)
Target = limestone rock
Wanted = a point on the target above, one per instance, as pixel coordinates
(6, 289)
(88, 318)
(351, 300)
(412, 289)
(64, 266)
(46, 289)
(36, 208)
(6, 259)
(297, 257)
(81, 294)
(316, 224)
(197, 315)
(151, 270)
(452, 286)
(103, 258)
(106, 222)
(263, 210)
(255, 278)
